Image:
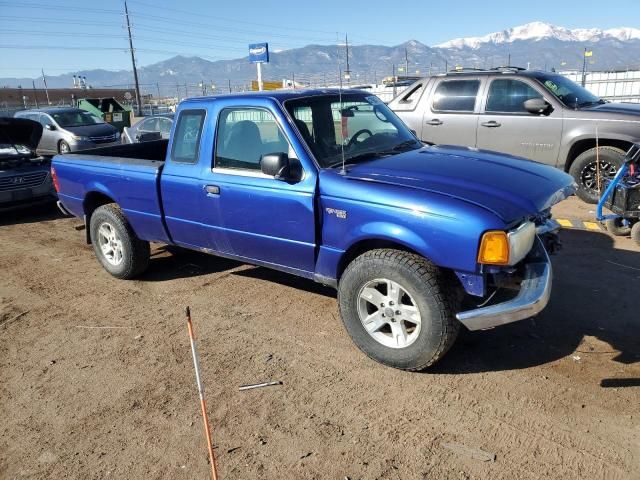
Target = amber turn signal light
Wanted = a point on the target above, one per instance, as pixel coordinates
(494, 248)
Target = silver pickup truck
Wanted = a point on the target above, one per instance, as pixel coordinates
(538, 115)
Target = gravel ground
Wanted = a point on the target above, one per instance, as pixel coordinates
(96, 378)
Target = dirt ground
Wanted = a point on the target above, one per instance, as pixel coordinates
(96, 379)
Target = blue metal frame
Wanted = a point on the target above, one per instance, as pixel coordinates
(608, 191)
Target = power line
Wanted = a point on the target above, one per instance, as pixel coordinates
(41, 6)
(226, 19)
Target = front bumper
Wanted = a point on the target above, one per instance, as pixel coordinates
(532, 298)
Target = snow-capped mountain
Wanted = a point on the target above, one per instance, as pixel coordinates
(537, 45)
(540, 30)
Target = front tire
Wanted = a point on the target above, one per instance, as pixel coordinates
(117, 247)
(398, 308)
(585, 170)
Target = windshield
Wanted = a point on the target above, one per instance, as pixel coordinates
(359, 125)
(569, 92)
(75, 118)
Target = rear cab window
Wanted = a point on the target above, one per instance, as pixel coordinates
(186, 139)
(456, 96)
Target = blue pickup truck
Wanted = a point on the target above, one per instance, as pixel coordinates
(332, 186)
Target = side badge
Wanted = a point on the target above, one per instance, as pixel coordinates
(342, 214)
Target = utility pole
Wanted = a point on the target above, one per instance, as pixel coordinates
(406, 62)
(46, 90)
(35, 95)
(584, 67)
(509, 60)
(229, 80)
(347, 72)
(158, 88)
(395, 79)
(133, 61)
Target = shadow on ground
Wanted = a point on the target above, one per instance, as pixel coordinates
(32, 214)
(183, 263)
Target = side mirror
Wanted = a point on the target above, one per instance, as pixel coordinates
(276, 165)
(537, 106)
(49, 126)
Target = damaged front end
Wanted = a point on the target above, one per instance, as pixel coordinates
(509, 293)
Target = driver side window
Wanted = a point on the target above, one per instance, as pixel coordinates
(244, 135)
(356, 121)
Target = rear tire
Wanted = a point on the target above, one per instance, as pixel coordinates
(584, 170)
(617, 228)
(635, 233)
(117, 247)
(413, 331)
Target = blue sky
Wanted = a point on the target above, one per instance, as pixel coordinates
(82, 34)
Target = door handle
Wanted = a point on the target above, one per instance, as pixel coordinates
(434, 121)
(212, 189)
(490, 124)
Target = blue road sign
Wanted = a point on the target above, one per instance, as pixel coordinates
(259, 53)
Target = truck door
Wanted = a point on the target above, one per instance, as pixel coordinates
(506, 126)
(181, 184)
(251, 215)
(450, 116)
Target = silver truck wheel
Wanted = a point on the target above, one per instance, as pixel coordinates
(116, 245)
(388, 313)
(398, 308)
(110, 243)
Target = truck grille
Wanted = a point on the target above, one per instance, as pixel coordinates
(104, 138)
(18, 182)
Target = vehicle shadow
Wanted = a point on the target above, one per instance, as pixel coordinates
(171, 263)
(594, 294)
(31, 214)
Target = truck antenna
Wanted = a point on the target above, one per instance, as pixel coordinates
(342, 170)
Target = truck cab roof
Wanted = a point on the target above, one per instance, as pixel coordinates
(278, 95)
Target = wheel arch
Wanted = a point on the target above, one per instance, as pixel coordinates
(92, 201)
(364, 245)
(582, 145)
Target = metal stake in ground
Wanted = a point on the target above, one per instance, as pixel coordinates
(203, 405)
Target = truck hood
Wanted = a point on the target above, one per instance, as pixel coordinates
(510, 187)
(97, 130)
(632, 109)
(21, 131)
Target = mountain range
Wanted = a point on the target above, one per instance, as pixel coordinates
(536, 44)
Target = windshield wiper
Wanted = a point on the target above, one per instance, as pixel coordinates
(405, 144)
(590, 103)
(360, 157)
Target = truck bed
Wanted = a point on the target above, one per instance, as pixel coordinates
(128, 175)
(130, 153)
